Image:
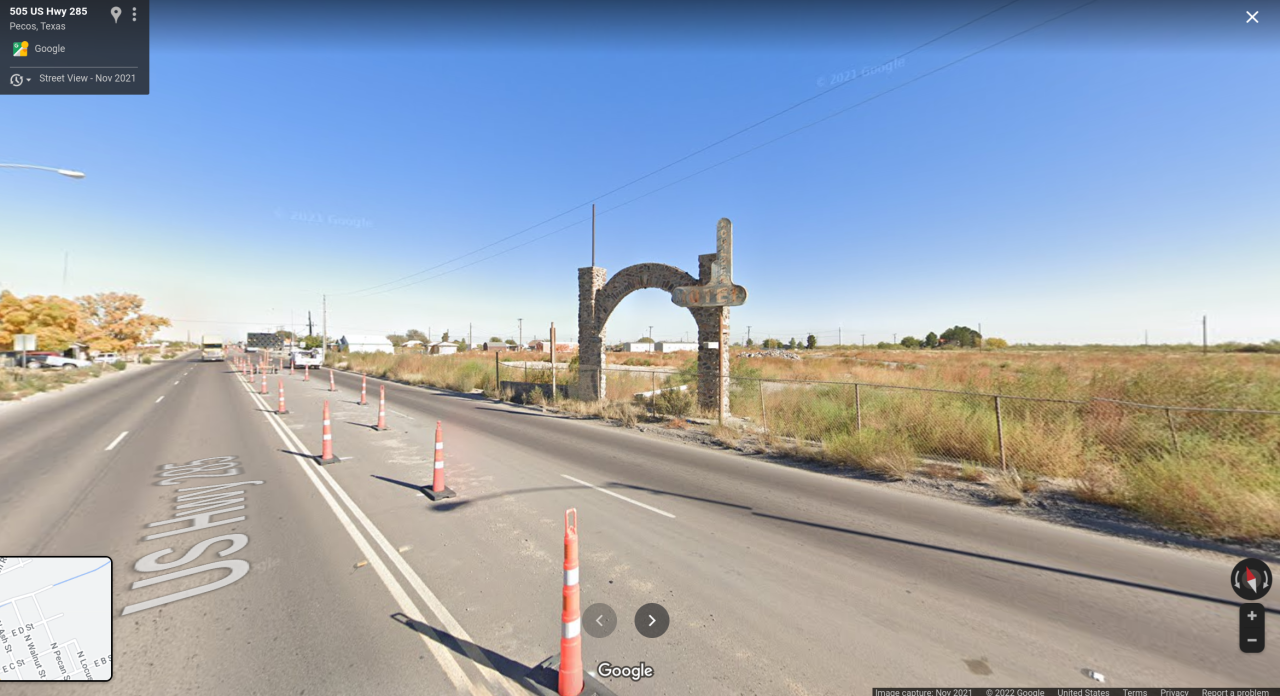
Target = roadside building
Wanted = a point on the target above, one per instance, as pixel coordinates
(561, 346)
(442, 348)
(675, 346)
(637, 347)
(365, 344)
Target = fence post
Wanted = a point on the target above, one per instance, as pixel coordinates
(1168, 415)
(653, 392)
(1004, 465)
(857, 404)
(764, 420)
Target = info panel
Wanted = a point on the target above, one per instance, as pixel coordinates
(78, 48)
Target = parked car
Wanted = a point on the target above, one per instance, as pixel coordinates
(59, 362)
(107, 358)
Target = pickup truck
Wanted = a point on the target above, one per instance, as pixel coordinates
(307, 358)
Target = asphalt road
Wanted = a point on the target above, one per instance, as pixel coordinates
(777, 580)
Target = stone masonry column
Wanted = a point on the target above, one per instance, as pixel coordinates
(713, 326)
(591, 376)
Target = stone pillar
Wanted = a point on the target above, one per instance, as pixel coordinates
(591, 376)
(713, 326)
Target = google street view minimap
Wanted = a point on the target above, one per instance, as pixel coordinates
(640, 348)
(55, 619)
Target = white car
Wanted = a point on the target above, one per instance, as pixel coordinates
(106, 358)
(61, 363)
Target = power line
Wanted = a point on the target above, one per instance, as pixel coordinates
(673, 163)
(727, 160)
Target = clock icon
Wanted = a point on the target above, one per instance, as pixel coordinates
(16, 80)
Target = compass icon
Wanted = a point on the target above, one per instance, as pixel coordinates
(16, 80)
(1251, 579)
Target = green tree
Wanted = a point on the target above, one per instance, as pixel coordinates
(511, 341)
(286, 335)
(962, 336)
(792, 343)
(910, 342)
(310, 342)
(444, 337)
(495, 339)
(996, 343)
(750, 342)
(931, 340)
(769, 343)
(397, 340)
(645, 339)
(415, 335)
(811, 342)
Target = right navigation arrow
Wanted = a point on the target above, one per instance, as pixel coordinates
(652, 620)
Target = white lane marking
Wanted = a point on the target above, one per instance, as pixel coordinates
(433, 603)
(176, 383)
(116, 441)
(620, 497)
(160, 399)
(442, 654)
(402, 415)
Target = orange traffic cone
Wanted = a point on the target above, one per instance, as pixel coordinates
(264, 383)
(306, 373)
(364, 384)
(438, 490)
(382, 408)
(571, 619)
(331, 387)
(326, 451)
(281, 410)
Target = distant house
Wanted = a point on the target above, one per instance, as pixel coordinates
(496, 345)
(412, 345)
(442, 348)
(675, 346)
(637, 347)
(561, 346)
(365, 344)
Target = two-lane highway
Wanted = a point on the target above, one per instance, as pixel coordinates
(776, 580)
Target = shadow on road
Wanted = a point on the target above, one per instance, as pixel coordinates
(304, 455)
(515, 671)
(406, 484)
(455, 504)
(512, 412)
(371, 426)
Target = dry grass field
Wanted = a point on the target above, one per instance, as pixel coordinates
(1120, 425)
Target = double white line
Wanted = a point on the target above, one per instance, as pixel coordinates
(443, 655)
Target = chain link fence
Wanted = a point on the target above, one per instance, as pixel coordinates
(1053, 437)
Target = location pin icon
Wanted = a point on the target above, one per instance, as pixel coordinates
(115, 14)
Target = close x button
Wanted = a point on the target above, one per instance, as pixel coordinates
(1253, 628)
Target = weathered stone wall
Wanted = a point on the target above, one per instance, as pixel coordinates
(597, 299)
(590, 335)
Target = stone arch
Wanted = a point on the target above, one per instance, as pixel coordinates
(597, 299)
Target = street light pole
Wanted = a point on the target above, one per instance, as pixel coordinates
(521, 333)
(65, 172)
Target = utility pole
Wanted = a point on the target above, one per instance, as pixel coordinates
(1205, 333)
(895, 338)
(593, 235)
(66, 260)
(650, 332)
(521, 333)
(1146, 337)
(748, 335)
(324, 323)
(981, 340)
(469, 344)
(864, 340)
(311, 325)
(840, 335)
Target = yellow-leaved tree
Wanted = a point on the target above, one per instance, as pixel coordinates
(114, 321)
(56, 321)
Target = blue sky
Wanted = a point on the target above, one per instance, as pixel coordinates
(1081, 183)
